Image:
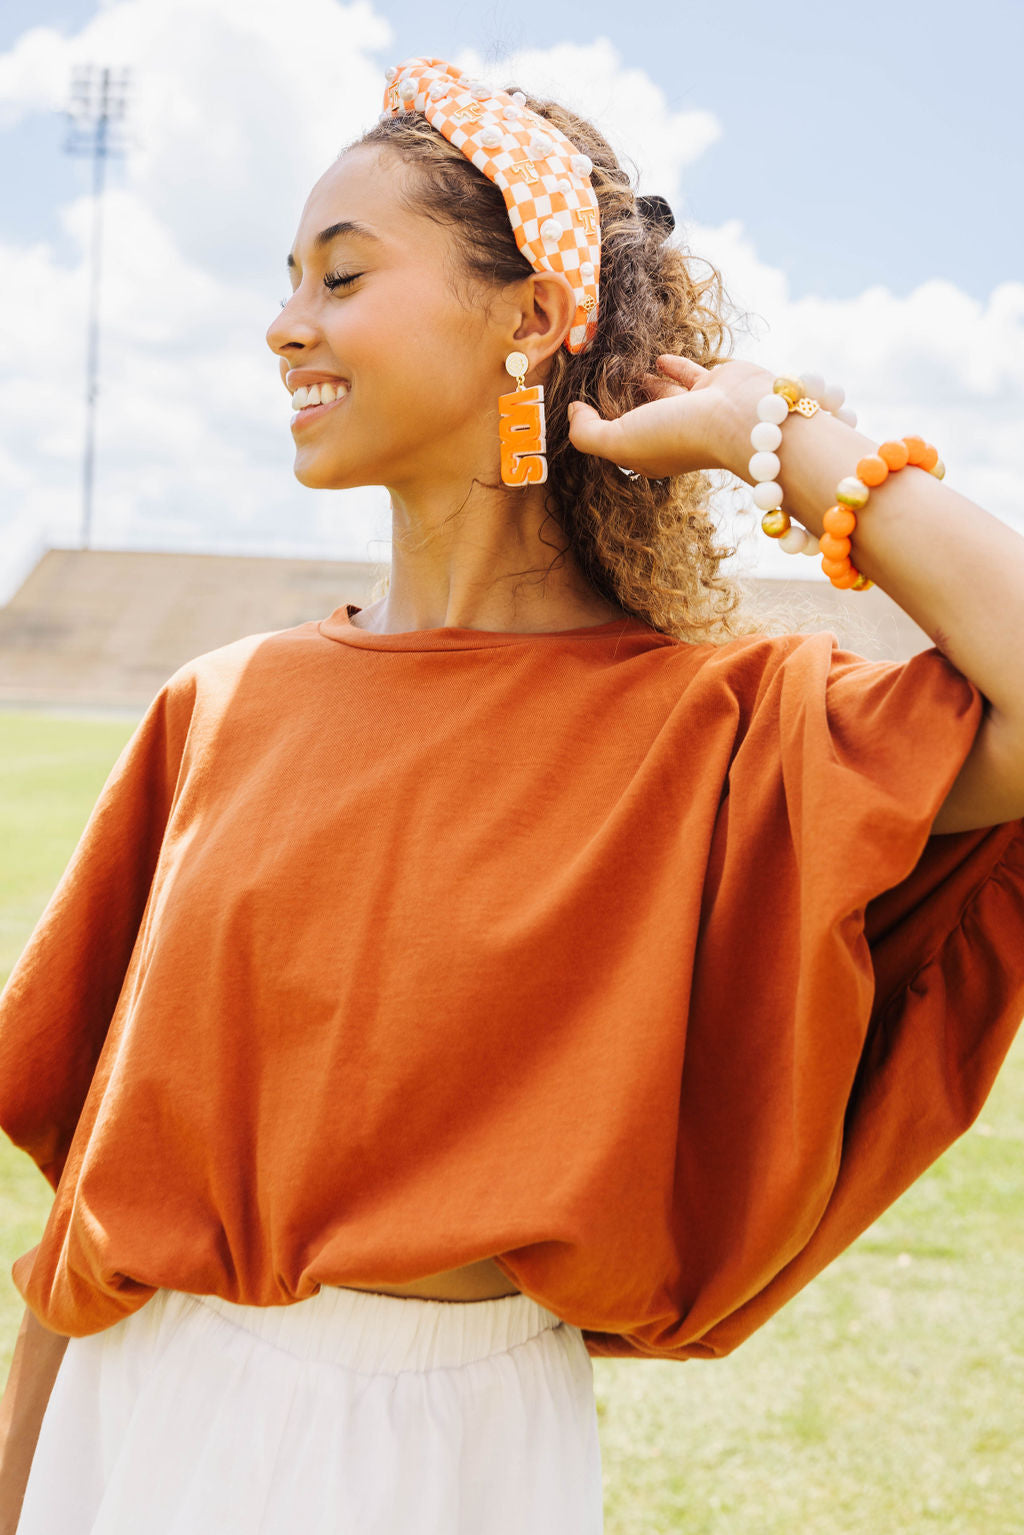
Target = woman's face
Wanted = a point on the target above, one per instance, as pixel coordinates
(424, 370)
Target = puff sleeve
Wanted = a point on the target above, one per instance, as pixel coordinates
(59, 999)
(858, 980)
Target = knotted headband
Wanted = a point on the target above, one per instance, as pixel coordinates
(543, 178)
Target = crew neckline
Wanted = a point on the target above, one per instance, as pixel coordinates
(339, 626)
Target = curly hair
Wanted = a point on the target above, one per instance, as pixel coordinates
(648, 545)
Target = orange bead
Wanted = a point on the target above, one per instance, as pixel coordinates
(847, 581)
(835, 567)
(929, 458)
(840, 521)
(895, 454)
(915, 447)
(872, 470)
(834, 548)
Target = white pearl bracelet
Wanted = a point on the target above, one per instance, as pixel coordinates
(764, 466)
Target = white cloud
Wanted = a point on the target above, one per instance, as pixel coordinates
(624, 103)
(237, 107)
(936, 363)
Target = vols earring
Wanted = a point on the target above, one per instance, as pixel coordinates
(521, 427)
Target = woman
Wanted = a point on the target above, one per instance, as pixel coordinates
(544, 962)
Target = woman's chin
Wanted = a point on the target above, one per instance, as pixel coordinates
(321, 477)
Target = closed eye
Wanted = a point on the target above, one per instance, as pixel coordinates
(334, 280)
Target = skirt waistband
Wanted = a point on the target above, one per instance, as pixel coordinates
(366, 1331)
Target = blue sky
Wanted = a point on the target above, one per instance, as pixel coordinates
(913, 112)
(853, 171)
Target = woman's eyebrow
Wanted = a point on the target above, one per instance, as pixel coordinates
(346, 227)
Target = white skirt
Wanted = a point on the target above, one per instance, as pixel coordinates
(350, 1413)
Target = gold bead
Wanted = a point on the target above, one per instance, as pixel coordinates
(775, 523)
(807, 406)
(790, 388)
(852, 492)
(938, 469)
(861, 584)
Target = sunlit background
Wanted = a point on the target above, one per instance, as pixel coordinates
(853, 172)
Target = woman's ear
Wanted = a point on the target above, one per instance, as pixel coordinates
(548, 310)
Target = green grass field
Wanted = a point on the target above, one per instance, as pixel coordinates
(888, 1397)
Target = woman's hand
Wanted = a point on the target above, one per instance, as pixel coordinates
(696, 418)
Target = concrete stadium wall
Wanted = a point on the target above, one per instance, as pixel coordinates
(99, 629)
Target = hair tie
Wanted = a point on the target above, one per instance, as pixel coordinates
(654, 209)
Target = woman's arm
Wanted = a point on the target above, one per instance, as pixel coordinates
(954, 568)
(37, 1357)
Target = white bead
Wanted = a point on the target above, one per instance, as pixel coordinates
(582, 165)
(390, 73)
(849, 416)
(519, 98)
(407, 90)
(586, 269)
(540, 145)
(481, 91)
(835, 394)
(765, 436)
(814, 383)
(490, 138)
(437, 89)
(764, 466)
(767, 495)
(794, 540)
(551, 229)
(511, 113)
(772, 407)
(565, 187)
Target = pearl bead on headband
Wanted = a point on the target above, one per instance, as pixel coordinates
(543, 178)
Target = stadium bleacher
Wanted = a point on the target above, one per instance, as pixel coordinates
(101, 630)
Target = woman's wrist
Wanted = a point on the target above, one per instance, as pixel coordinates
(730, 448)
(815, 453)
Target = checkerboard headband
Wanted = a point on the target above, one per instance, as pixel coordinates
(543, 178)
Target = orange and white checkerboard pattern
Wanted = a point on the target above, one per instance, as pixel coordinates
(544, 179)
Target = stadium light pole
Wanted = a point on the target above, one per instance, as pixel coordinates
(98, 99)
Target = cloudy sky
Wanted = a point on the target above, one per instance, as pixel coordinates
(854, 173)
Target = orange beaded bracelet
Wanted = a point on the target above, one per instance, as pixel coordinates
(852, 496)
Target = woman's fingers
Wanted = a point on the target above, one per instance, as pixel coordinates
(589, 433)
(682, 369)
(659, 387)
(651, 438)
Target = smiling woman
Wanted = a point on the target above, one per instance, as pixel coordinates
(514, 972)
(415, 297)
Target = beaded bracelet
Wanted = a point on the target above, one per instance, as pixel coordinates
(852, 492)
(806, 394)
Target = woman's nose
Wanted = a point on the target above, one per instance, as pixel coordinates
(290, 328)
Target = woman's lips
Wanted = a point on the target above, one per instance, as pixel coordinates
(308, 413)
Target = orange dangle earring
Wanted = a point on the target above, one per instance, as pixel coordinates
(521, 427)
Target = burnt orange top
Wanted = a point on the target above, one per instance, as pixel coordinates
(630, 961)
